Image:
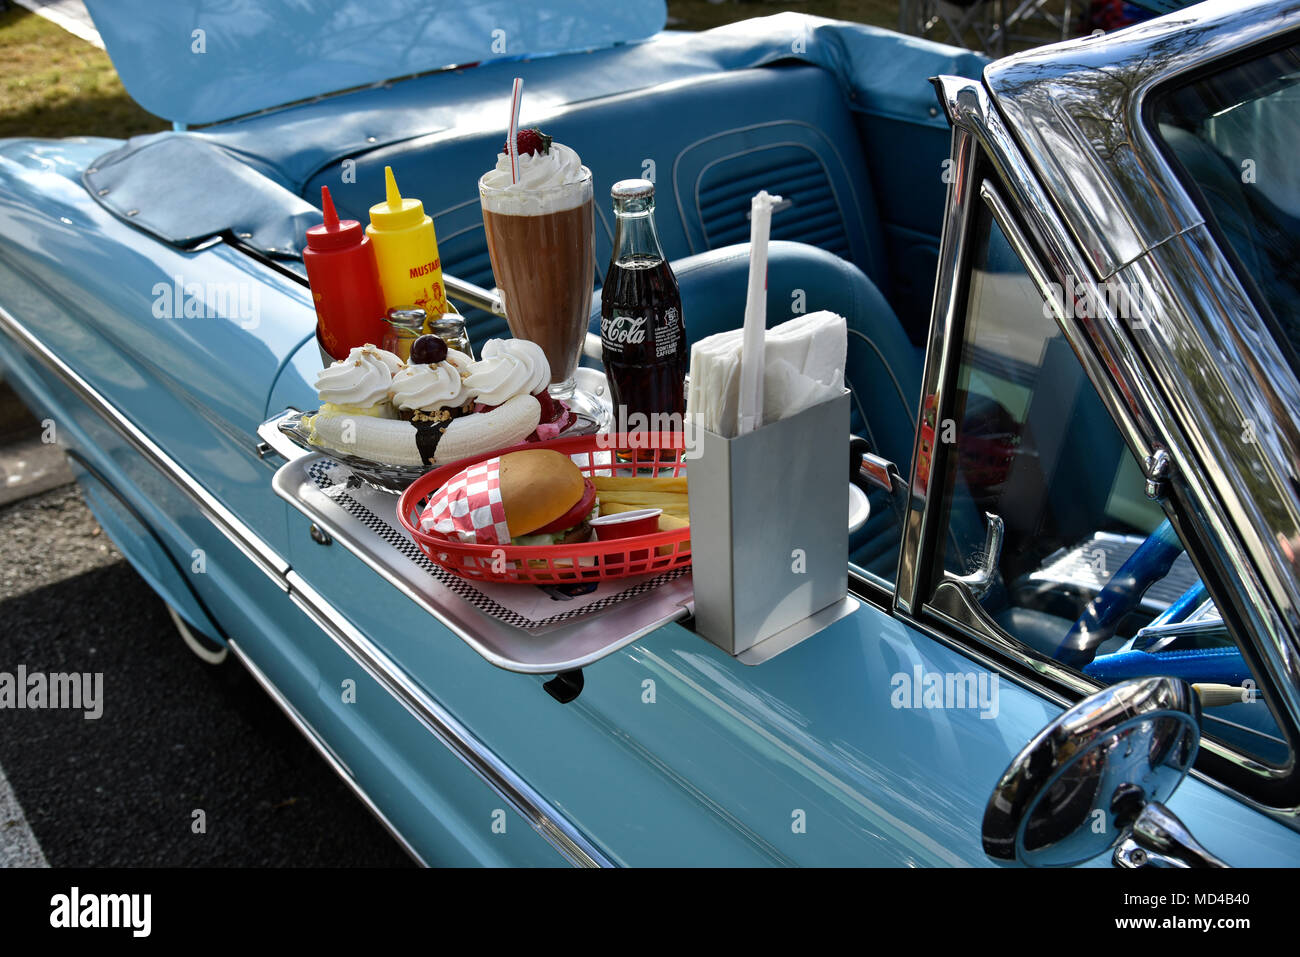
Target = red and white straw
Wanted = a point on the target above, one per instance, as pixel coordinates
(512, 137)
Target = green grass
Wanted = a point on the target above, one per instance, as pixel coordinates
(55, 84)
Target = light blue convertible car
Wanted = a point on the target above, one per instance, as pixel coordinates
(1073, 299)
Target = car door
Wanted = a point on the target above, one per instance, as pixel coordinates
(1040, 535)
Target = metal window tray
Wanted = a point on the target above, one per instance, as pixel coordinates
(555, 649)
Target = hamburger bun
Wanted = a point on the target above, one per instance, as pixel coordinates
(537, 487)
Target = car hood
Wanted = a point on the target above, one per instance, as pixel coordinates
(194, 62)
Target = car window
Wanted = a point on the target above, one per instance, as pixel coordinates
(1089, 574)
(1235, 135)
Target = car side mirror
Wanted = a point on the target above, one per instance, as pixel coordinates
(1095, 778)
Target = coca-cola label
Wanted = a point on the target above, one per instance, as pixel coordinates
(619, 331)
(668, 334)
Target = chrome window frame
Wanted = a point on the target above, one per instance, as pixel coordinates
(1215, 364)
(1136, 403)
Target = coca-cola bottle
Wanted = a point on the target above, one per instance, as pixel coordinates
(641, 331)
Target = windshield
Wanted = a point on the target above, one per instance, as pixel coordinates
(1236, 134)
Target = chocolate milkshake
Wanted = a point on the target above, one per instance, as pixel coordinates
(539, 236)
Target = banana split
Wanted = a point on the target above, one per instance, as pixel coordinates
(437, 407)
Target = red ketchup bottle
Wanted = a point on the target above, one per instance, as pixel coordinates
(344, 283)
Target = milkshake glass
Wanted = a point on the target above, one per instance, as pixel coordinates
(540, 238)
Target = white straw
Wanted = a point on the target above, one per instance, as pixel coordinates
(753, 358)
(512, 145)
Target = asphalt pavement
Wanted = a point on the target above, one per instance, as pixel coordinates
(176, 736)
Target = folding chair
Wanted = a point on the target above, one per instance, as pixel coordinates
(992, 27)
(965, 23)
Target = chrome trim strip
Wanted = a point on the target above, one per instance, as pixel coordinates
(240, 535)
(549, 823)
(1239, 462)
(944, 317)
(325, 751)
(1217, 370)
(970, 107)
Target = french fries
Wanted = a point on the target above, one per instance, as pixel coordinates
(677, 510)
(617, 484)
(628, 494)
(668, 523)
(664, 500)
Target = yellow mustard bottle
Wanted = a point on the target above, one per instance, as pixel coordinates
(406, 252)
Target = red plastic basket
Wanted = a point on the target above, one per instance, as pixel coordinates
(640, 454)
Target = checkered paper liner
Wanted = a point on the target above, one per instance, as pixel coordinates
(513, 604)
(469, 507)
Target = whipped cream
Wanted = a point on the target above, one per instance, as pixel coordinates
(548, 183)
(427, 387)
(527, 352)
(394, 362)
(462, 362)
(506, 371)
(360, 381)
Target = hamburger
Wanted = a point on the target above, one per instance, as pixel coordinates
(532, 497)
(547, 499)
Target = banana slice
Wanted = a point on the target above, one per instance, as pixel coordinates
(395, 442)
(390, 441)
(508, 424)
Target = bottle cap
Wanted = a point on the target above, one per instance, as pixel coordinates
(334, 233)
(408, 317)
(395, 212)
(626, 189)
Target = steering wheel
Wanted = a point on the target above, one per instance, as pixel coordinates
(1146, 566)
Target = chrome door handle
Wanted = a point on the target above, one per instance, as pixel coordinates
(980, 581)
